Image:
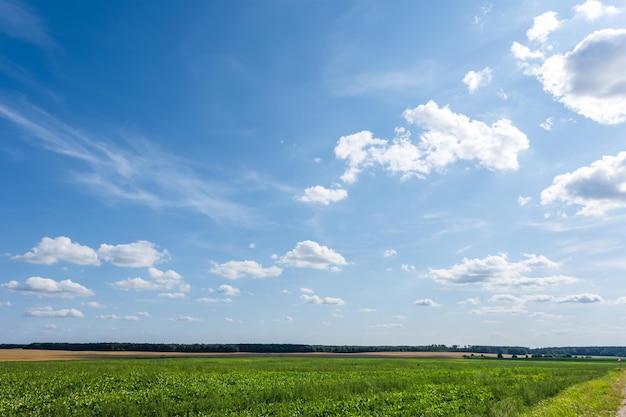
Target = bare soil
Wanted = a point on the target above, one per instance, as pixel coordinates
(15, 355)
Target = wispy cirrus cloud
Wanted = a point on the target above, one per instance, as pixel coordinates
(19, 21)
(138, 173)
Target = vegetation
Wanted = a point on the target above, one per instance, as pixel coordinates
(598, 397)
(281, 386)
(295, 348)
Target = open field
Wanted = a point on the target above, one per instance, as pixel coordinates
(248, 385)
(19, 355)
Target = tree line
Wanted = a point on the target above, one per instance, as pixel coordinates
(569, 351)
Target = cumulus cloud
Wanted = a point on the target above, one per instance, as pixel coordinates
(322, 195)
(580, 298)
(228, 290)
(590, 79)
(46, 287)
(499, 310)
(425, 302)
(240, 269)
(594, 9)
(522, 201)
(547, 124)
(50, 251)
(448, 138)
(474, 80)
(50, 312)
(389, 253)
(524, 53)
(186, 318)
(94, 304)
(543, 25)
(496, 271)
(544, 298)
(598, 188)
(160, 281)
(309, 254)
(172, 295)
(138, 254)
(314, 299)
(116, 317)
(214, 300)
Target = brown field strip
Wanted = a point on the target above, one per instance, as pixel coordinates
(18, 355)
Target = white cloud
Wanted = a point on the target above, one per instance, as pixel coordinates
(387, 325)
(474, 301)
(522, 201)
(474, 80)
(136, 255)
(314, 299)
(322, 195)
(495, 271)
(214, 300)
(547, 125)
(307, 291)
(309, 254)
(50, 251)
(228, 290)
(5, 304)
(116, 317)
(288, 319)
(50, 312)
(499, 310)
(590, 79)
(594, 9)
(240, 269)
(144, 314)
(425, 302)
(186, 318)
(389, 253)
(352, 148)
(580, 298)
(367, 310)
(46, 287)
(448, 138)
(94, 304)
(543, 25)
(160, 281)
(19, 21)
(172, 295)
(407, 267)
(524, 53)
(141, 173)
(598, 188)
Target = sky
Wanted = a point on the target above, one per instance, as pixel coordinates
(355, 172)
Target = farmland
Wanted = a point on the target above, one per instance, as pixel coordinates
(293, 386)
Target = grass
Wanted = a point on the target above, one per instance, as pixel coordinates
(298, 387)
(598, 397)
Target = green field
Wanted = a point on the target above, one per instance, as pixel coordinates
(291, 386)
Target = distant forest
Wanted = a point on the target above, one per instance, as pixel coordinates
(578, 351)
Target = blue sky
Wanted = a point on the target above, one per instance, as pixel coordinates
(324, 172)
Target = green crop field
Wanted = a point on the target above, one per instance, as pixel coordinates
(291, 386)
